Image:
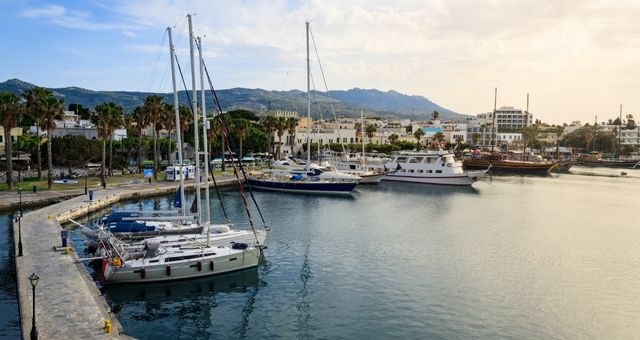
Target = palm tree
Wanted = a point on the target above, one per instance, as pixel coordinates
(292, 124)
(439, 136)
(154, 107)
(370, 130)
(108, 118)
(559, 131)
(33, 101)
(280, 126)
(186, 121)
(435, 115)
(52, 111)
(243, 126)
(141, 119)
(393, 139)
(10, 111)
(269, 123)
(418, 135)
(169, 122)
(588, 137)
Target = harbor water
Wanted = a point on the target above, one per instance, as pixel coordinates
(512, 257)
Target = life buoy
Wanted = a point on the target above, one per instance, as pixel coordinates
(199, 266)
(168, 271)
(211, 265)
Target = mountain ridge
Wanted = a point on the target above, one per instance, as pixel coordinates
(348, 103)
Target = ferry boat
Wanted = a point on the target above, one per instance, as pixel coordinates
(430, 167)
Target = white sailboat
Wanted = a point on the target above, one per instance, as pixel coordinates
(180, 258)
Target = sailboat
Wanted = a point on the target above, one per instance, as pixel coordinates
(181, 259)
(304, 178)
(372, 174)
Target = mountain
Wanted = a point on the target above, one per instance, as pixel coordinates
(349, 103)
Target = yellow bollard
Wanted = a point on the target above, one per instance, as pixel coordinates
(107, 326)
(49, 217)
(67, 250)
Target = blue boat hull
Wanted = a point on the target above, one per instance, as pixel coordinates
(319, 187)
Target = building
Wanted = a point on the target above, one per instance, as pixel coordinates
(15, 133)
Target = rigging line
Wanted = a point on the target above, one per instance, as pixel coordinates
(224, 126)
(230, 145)
(153, 66)
(210, 166)
(315, 48)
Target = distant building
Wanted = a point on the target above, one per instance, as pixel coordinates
(15, 133)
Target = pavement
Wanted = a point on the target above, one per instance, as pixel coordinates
(68, 304)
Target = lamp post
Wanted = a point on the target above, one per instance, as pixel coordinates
(34, 281)
(20, 224)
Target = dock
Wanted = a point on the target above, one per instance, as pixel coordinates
(68, 304)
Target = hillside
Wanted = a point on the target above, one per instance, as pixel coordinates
(374, 103)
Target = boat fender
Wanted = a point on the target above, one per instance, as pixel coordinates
(199, 266)
(168, 270)
(116, 262)
(105, 262)
(211, 265)
(142, 273)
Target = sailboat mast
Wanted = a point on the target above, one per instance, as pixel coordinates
(619, 132)
(177, 114)
(205, 146)
(308, 103)
(194, 99)
(362, 136)
(493, 127)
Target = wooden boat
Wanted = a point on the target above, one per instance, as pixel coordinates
(508, 164)
(596, 160)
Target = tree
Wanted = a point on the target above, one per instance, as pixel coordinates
(418, 135)
(243, 126)
(34, 109)
(108, 117)
(52, 111)
(10, 111)
(559, 131)
(281, 127)
(393, 139)
(141, 120)
(269, 123)
(435, 115)
(439, 136)
(292, 124)
(154, 108)
(370, 131)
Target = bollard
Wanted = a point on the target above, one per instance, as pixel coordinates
(67, 250)
(63, 236)
(90, 195)
(107, 326)
(34, 188)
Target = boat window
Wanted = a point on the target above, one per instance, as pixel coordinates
(421, 171)
(401, 159)
(411, 171)
(438, 171)
(233, 259)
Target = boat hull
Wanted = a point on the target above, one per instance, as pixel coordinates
(508, 167)
(307, 187)
(459, 180)
(179, 270)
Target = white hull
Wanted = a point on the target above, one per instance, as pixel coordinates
(431, 167)
(169, 268)
(218, 239)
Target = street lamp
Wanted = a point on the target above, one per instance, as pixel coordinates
(20, 193)
(34, 281)
(85, 178)
(20, 224)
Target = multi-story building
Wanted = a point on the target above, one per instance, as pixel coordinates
(508, 117)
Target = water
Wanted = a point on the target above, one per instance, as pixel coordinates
(511, 258)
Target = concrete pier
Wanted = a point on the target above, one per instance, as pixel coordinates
(68, 303)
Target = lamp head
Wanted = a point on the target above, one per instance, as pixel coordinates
(34, 279)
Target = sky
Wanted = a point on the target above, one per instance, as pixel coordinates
(576, 59)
